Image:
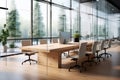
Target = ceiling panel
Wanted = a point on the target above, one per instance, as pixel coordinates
(115, 3)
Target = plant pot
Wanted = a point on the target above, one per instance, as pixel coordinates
(76, 39)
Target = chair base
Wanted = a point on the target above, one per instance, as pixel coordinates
(29, 61)
(76, 66)
(89, 61)
(98, 58)
(106, 55)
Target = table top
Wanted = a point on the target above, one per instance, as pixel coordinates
(53, 47)
(50, 47)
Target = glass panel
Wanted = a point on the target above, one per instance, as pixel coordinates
(2, 22)
(19, 18)
(40, 20)
(62, 2)
(2, 18)
(101, 29)
(100, 20)
(2, 3)
(113, 23)
(75, 22)
(87, 22)
(75, 4)
(60, 20)
(86, 25)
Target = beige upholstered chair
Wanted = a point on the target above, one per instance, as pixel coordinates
(28, 53)
(55, 40)
(105, 47)
(100, 47)
(90, 53)
(26, 42)
(81, 53)
(43, 41)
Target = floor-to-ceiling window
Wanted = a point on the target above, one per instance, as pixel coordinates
(62, 2)
(60, 20)
(97, 20)
(40, 19)
(86, 20)
(3, 10)
(3, 17)
(19, 18)
(75, 17)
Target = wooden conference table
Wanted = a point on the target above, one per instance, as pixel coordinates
(50, 54)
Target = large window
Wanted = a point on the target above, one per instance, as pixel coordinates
(3, 3)
(87, 22)
(46, 18)
(3, 11)
(19, 18)
(96, 20)
(75, 5)
(75, 22)
(40, 20)
(60, 20)
(62, 2)
(2, 18)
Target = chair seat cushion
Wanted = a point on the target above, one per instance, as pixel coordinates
(74, 59)
(97, 51)
(75, 56)
(106, 48)
(88, 53)
(30, 53)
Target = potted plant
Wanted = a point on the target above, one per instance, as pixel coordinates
(76, 36)
(12, 46)
(3, 37)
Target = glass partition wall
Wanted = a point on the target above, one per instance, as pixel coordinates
(44, 19)
(97, 17)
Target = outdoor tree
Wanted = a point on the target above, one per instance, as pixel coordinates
(38, 25)
(95, 30)
(76, 23)
(62, 21)
(13, 23)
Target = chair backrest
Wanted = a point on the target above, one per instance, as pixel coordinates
(26, 42)
(43, 41)
(102, 45)
(55, 40)
(82, 49)
(109, 43)
(94, 47)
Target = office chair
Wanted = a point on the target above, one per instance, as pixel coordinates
(81, 53)
(90, 53)
(43, 41)
(105, 48)
(100, 47)
(28, 53)
(55, 40)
